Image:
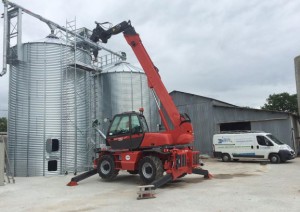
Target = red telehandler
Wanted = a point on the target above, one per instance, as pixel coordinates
(131, 146)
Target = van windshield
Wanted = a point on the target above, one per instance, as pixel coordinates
(276, 140)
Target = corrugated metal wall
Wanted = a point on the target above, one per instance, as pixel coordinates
(277, 123)
(123, 91)
(202, 124)
(47, 99)
(280, 128)
(201, 113)
(207, 115)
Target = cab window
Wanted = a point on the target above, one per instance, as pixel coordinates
(119, 126)
(144, 124)
(263, 141)
(135, 125)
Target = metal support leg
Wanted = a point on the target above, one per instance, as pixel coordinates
(162, 181)
(204, 172)
(74, 181)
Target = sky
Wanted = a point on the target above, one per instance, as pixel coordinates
(235, 51)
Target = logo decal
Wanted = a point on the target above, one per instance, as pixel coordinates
(224, 140)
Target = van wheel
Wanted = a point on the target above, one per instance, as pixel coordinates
(274, 158)
(226, 158)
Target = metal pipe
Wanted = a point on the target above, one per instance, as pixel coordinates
(53, 25)
(19, 38)
(100, 132)
(4, 70)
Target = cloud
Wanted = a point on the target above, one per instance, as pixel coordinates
(236, 51)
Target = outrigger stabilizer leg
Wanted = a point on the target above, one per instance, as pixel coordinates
(74, 181)
(168, 177)
(162, 181)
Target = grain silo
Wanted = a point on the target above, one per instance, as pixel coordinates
(122, 88)
(48, 116)
(55, 92)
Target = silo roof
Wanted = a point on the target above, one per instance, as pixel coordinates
(122, 67)
(51, 38)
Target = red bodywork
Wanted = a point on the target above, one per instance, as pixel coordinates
(128, 160)
(134, 148)
(182, 132)
(179, 131)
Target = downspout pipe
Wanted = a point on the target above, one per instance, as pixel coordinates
(4, 69)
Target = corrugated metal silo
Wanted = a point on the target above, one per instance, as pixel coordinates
(124, 88)
(48, 115)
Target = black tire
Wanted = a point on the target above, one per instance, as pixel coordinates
(283, 161)
(274, 158)
(106, 168)
(235, 160)
(150, 169)
(226, 157)
(133, 172)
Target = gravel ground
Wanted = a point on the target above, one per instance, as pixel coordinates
(236, 186)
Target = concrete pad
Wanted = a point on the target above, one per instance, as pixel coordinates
(236, 186)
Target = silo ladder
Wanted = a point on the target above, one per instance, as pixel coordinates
(7, 170)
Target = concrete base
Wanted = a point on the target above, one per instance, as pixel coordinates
(236, 186)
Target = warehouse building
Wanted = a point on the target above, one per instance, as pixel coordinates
(210, 116)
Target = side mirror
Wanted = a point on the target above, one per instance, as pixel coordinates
(95, 123)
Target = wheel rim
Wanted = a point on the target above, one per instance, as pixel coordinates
(105, 167)
(147, 170)
(225, 158)
(274, 159)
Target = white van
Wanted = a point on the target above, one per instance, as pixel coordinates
(253, 145)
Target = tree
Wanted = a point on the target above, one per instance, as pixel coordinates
(3, 124)
(282, 102)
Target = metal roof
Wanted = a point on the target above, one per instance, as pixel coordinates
(218, 103)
